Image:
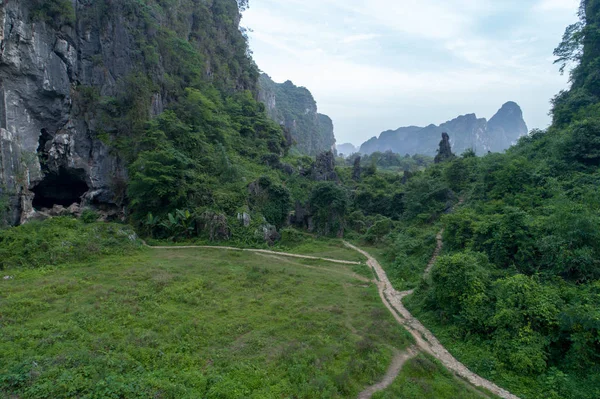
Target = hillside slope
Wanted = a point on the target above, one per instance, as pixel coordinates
(80, 81)
(295, 108)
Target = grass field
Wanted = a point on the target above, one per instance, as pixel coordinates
(193, 324)
(424, 378)
(132, 322)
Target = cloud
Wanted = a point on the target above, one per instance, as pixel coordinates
(360, 38)
(557, 5)
(376, 64)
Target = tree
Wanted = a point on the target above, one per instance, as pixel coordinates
(460, 287)
(243, 5)
(528, 311)
(159, 181)
(329, 204)
(583, 143)
(570, 49)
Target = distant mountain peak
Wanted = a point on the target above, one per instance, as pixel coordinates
(346, 149)
(466, 132)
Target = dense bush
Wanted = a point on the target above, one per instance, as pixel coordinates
(62, 240)
(329, 203)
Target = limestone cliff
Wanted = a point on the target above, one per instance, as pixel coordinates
(61, 61)
(466, 132)
(295, 108)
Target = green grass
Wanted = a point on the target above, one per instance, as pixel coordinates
(424, 378)
(193, 324)
(307, 244)
(321, 247)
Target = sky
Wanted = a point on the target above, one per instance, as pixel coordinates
(375, 65)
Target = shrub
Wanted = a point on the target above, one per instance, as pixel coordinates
(89, 216)
(60, 240)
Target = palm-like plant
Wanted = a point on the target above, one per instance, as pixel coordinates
(151, 223)
(186, 222)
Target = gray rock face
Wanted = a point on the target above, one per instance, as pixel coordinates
(41, 132)
(295, 108)
(466, 132)
(445, 151)
(324, 169)
(356, 169)
(507, 126)
(50, 153)
(269, 234)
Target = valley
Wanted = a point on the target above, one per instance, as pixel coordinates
(175, 223)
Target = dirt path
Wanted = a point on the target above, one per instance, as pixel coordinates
(260, 251)
(426, 341)
(392, 299)
(436, 253)
(291, 262)
(397, 363)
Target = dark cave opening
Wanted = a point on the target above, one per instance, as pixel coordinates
(63, 188)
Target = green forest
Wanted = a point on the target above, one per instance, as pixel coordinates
(515, 294)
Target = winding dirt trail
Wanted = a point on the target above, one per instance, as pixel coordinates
(392, 299)
(324, 269)
(426, 341)
(397, 363)
(258, 251)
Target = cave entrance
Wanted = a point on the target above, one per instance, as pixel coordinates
(63, 188)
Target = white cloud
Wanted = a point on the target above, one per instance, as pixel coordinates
(360, 38)
(557, 5)
(377, 64)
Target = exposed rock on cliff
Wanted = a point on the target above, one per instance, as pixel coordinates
(295, 108)
(54, 147)
(356, 169)
(324, 169)
(466, 132)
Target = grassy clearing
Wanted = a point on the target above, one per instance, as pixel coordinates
(301, 244)
(424, 378)
(321, 247)
(190, 324)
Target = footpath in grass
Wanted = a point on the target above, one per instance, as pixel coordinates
(193, 323)
(423, 377)
(405, 254)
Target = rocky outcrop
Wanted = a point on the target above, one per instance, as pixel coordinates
(324, 169)
(302, 217)
(214, 225)
(466, 132)
(50, 147)
(445, 151)
(356, 169)
(295, 108)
